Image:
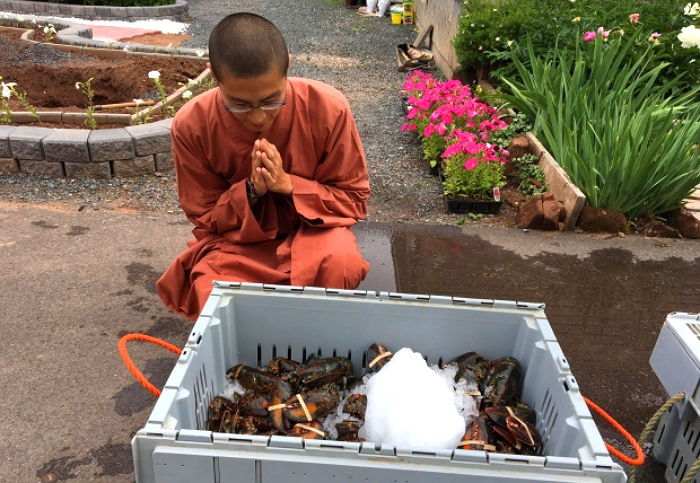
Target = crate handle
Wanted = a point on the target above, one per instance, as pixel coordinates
(639, 459)
(126, 359)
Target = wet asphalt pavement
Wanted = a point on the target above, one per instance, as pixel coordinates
(74, 282)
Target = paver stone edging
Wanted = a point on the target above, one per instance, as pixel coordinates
(178, 9)
(129, 151)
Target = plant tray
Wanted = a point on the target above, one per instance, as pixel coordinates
(250, 323)
(472, 206)
(456, 205)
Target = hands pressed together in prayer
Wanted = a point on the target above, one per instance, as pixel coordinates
(268, 170)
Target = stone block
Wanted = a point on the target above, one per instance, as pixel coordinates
(135, 12)
(67, 145)
(103, 12)
(32, 166)
(88, 170)
(149, 138)
(118, 12)
(111, 144)
(89, 11)
(64, 9)
(165, 123)
(5, 132)
(77, 10)
(25, 142)
(134, 167)
(23, 117)
(8, 165)
(164, 161)
(51, 8)
(73, 117)
(50, 116)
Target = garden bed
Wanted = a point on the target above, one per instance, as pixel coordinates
(48, 76)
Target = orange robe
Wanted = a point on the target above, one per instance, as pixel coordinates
(302, 239)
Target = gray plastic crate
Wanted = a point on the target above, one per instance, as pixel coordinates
(676, 362)
(251, 323)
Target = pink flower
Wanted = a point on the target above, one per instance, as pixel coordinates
(655, 36)
(589, 36)
(408, 127)
(451, 150)
(471, 163)
(604, 33)
(634, 18)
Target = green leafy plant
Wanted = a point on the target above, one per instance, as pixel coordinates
(86, 88)
(6, 116)
(629, 143)
(490, 31)
(474, 184)
(531, 180)
(517, 124)
(433, 147)
(170, 110)
(49, 32)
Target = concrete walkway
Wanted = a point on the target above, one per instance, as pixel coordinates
(74, 282)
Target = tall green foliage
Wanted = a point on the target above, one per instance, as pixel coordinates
(628, 142)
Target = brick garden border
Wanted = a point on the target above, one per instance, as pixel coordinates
(133, 150)
(179, 9)
(82, 153)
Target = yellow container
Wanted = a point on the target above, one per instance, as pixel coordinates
(396, 15)
(408, 19)
(407, 7)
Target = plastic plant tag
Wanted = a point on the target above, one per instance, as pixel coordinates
(496, 194)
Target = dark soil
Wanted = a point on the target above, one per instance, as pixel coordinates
(48, 75)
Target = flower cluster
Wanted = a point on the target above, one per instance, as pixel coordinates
(451, 120)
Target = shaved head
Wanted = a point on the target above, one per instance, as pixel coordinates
(247, 45)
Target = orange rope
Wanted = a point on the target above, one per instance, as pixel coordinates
(121, 346)
(639, 460)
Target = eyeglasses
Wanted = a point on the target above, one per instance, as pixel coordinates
(265, 106)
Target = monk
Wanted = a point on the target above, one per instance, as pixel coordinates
(270, 170)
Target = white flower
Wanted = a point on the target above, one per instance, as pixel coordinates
(154, 74)
(692, 10)
(187, 94)
(200, 52)
(34, 21)
(126, 48)
(46, 29)
(511, 42)
(138, 102)
(77, 85)
(497, 39)
(689, 37)
(7, 89)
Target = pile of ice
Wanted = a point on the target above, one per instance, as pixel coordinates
(409, 405)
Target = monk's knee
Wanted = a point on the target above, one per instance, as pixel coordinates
(343, 262)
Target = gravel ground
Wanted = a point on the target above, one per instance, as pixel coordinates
(328, 43)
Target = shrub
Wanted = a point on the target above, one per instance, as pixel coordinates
(489, 31)
(629, 143)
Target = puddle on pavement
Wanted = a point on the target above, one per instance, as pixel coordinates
(606, 309)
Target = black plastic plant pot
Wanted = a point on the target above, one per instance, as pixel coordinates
(404, 104)
(473, 206)
(457, 205)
